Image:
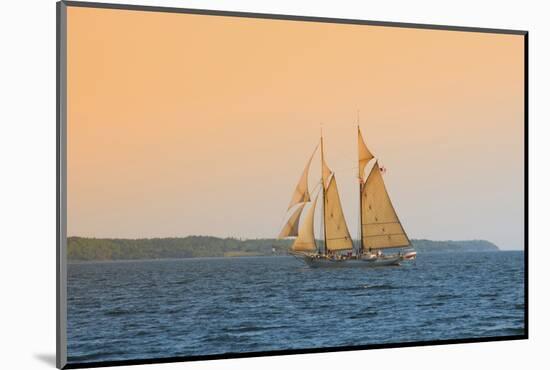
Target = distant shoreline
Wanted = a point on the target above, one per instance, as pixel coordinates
(105, 249)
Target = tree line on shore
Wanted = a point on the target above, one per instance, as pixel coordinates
(95, 249)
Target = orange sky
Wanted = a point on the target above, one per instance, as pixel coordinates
(189, 124)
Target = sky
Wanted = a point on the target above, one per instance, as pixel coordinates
(184, 124)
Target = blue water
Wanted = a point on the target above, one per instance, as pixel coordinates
(165, 308)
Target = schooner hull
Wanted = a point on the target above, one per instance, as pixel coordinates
(315, 262)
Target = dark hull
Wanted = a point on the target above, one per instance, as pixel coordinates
(316, 262)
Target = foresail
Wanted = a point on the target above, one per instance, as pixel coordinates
(364, 154)
(381, 226)
(336, 229)
(306, 236)
(291, 226)
(301, 193)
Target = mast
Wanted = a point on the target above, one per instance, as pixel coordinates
(335, 229)
(360, 251)
(364, 156)
(325, 249)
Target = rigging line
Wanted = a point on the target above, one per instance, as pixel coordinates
(360, 246)
(341, 159)
(344, 169)
(315, 187)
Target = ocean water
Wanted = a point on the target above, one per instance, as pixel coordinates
(164, 308)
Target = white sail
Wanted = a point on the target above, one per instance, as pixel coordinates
(381, 227)
(301, 193)
(364, 154)
(291, 226)
(305, 242)
(336, 230)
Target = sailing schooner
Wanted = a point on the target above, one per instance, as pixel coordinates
(379, 226)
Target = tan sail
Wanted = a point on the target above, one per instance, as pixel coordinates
(380, 225)
(336, 229)
(305, 242)
(301, 193)
(291, 226)
(364, 154)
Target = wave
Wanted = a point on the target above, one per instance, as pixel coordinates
(255, 328)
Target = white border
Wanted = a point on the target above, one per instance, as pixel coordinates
(27, 149)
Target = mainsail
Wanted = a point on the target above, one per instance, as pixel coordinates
(381, 227)
(336, 230)
(301, 193)
(291, 225)
(306, 237)
(364, 154)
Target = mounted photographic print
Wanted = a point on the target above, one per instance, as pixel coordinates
(238, 184)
